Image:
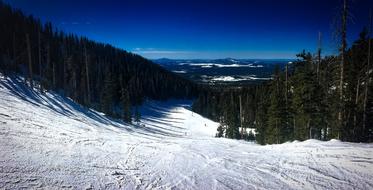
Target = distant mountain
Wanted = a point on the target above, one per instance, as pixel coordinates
(228, 71)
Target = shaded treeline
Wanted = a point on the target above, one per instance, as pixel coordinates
(94, 74)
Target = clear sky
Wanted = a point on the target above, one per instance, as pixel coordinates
(203, 28)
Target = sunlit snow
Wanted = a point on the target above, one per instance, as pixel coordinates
(48, 141)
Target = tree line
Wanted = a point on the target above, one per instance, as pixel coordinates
(316, 97)
(93, 74)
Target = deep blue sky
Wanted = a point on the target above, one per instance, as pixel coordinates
(202, 28)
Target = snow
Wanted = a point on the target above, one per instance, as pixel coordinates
(237, 78)
(234, 61)
(225, 78)
(248, 130)
(179, 71)
(48, 141)
(210, 65)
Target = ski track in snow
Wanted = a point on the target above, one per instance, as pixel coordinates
(49, 142)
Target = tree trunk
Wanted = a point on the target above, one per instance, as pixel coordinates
(294, 137)
(240, 98)
(14, 52)
(286, 87)
(87, 76)
(29, 59)
(278, 93)
(309, 128)
(54, 74)
(49, 61)
(343, 52)
(356, 105)
(40, 68)
(319, 59)
(367, 73)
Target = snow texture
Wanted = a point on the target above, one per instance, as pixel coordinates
(49, 142)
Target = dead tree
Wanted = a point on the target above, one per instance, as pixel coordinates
(342, 65)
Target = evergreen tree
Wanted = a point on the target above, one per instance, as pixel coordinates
(276, 113)
(232, 118)
(126, 106)
(137, 114)
(261, 119)
(220, 132)
(107, 95)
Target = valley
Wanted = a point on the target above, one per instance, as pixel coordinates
(227, 71)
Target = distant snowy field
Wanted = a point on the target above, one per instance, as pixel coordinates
(47, 141)
(223, 71)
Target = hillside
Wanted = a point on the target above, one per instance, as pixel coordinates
(95, 74)
(48, 141)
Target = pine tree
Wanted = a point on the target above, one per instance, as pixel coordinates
(232, 119)
(28, 43)
(87, 74)
(126, 105)
(305, 86)
(342, 66)
(220, 131)
(40, 60)
(261, 119)
(137, 115)
(107, 94)
(275, 133)
(368, 79)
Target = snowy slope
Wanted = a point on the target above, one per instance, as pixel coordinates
(47, 141)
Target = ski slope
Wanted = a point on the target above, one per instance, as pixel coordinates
(49, 142)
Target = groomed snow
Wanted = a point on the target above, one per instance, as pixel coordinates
(47, 141)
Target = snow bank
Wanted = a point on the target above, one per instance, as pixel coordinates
(48, 141)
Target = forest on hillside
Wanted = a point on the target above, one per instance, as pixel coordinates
(315, 97)
(93, 74)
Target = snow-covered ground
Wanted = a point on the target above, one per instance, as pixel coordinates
(47, 141)
(233, 78)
